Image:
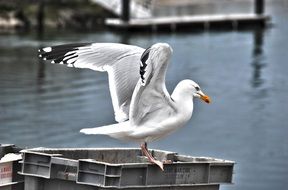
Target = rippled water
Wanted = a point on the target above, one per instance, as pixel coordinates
(245, 73)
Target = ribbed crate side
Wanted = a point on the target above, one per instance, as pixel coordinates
(91, 167)
(114, 156)
(96, 170)
(64, 172)
(35, 158)
(112, 181)
(179, 173)
(169, 187)
(221, 174)
(40, 171)
(113, 170)
(36, 164)
(91, 179)
(35, 183)
(133, 176)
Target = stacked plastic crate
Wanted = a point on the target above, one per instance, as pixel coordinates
(47, 169)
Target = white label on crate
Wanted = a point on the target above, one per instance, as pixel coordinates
(6, 172)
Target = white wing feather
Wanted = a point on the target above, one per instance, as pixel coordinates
(119, 60)
(151, 100)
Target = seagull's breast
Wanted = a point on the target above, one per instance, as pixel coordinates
(152, 131)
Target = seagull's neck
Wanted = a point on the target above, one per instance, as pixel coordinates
(183, 101)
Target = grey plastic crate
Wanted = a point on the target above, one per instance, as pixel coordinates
(125, 168)
(36, 183)
(17, 181)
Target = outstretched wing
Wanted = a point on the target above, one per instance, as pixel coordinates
(119, 60)
(151, 100)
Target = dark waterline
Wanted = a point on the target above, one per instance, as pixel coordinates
(245, 73)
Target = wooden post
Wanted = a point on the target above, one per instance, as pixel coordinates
(259, 6)
(40, 17)
(258, 62)
(125, 16)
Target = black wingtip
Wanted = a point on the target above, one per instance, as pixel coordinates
(145, 55)
(143, 66)
(59, 52)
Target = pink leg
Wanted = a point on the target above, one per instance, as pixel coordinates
(150, 157)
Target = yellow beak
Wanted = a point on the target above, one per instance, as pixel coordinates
(205, 98)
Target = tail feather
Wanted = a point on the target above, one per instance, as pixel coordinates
(118, 131)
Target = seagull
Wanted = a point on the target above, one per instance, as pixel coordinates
(143, 108)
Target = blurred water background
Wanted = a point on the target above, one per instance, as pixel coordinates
(244, 72)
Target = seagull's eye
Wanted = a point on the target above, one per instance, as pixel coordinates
(197, 88)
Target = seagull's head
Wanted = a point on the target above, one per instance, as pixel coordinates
(191, 87)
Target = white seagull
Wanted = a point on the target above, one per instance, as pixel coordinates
(143, 108)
